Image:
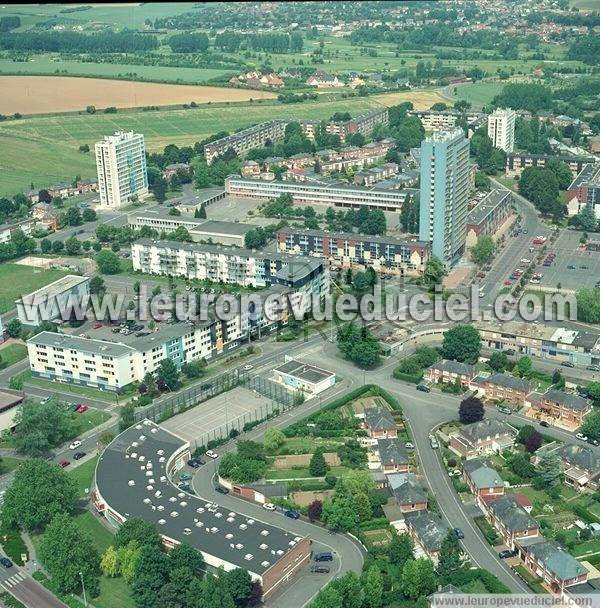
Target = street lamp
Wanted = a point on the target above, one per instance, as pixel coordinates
(83, 588)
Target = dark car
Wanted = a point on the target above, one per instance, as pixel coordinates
(6, 562)
(64, 463)
(567, 364)
(78, 455)
(221, 490)
(506, 553)
(423, 388)
(324, 556)
(459, 533)
(196, 462)
(184, 485)
(592, 441)
(544, 423)
(320, 569)
(511, 351)
(292, 514)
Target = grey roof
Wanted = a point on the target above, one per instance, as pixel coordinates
(53, 289)
(508, 510)
(482, 475)
(219, 227)
(117, 467)
(379, 418)
(590, 586)
(579, 456)
(487, 206)
(490, 427)
(84, 345)
(406, 488)
(508, 381)
(301, 370)
(556, 560)
(392, 451)
(454, 367)
(429, 528)
(569, 400)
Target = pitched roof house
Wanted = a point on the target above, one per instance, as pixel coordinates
(484, 437)
(408, 493)
(393, 455)
(483, 480)
(511, 520)
(428, 530)
(380, 423)
(448, 371)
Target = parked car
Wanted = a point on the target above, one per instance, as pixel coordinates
(248, 367)
(324, 556)
(592, 441)
(506, 553)
(292, 514)
(221, 490)
(96, 325)
(510, 352)
(211, 454)
(593, 368)
(6, 562)
(269, 506)
(185, 477)
(567, 364)
(423, 388)
(508, 282)
(320, 569)
(544, 423)
(64, 463)
(409, 446)
(75, 444)
(196, 462)
(571, 267)
(433, 443)
(504, 410)
(459, 533)
(581, 436)
(82, 409)
(78, 455)
(44, 400)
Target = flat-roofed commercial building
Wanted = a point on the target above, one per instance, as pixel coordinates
(303, 193)
(133, 478)
(49, 303)
(201, 230)
(297, 375)
(348, 250)
(489, 214)
(121, 165)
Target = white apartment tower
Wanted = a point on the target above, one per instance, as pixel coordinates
(501, 128)
(121, 165)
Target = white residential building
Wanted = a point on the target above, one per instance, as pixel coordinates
(121, 165)
(501, 128)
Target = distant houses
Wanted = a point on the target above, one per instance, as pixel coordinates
(257, 79)
(448, 371)
(581, 464)
(503, 387)
(323, 80)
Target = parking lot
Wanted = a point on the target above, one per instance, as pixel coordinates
(218, 415)
(586, 264)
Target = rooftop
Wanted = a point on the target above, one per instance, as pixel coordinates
(84, 345)
(517, 384)
(556, 560)
(54, 289)
(487, 206)
(490, 427)
(301, 370)
(379, 418)
(131, 478)
(428, 527)
(482, 475)
(510, 512)
(406, 488)
(392, 451)
(454, 367)
(568, 400)
(588, 176)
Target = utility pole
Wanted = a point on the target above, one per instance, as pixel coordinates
(83, 588)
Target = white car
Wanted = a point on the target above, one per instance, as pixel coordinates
(248, 367)
(45, 400)
(525, 261)
(75, 445)
(269, 506)
(211, 454)
(409, 446)
(580, 435)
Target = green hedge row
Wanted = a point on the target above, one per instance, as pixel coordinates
(374, 524)
(412, 378)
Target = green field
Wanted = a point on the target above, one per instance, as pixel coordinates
(17, 279)
(41, 65)
(11, 354)
(83, 475)
(477, 93)
(44, 150)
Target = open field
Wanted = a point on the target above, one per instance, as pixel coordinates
(17, 280)
(12, 354)
(43, 150)
(42, 94)
(44, 64)
(477, 93)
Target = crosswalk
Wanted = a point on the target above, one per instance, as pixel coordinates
(13, 580)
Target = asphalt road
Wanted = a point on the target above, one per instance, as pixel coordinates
(26, 589)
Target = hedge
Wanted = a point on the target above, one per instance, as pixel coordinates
(14, 546)
(375, 524)
(586, 515)
(412, 378)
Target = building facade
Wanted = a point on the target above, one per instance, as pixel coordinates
(444, 193)
(488, 215)
(585, 190)
(501, 128)
(121, 166)
(517, 161)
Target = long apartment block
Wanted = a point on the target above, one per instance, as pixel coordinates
(347, 250)
(489, 214)
(304, 193)
(274, 130)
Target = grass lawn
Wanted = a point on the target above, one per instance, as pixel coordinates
(533, 582)
(94, 393)
(89, 420)
(114, 593)
(17, 279)
(8, 464)
(302, 473)
(11, 354)
(101, 537)
(585, 548)
(306, 445)
(475, 586)
(478, 93)
(83, 475)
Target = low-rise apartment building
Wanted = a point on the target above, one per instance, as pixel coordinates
(338, 195)
(556, 406)
(376, 174)
(502, 387)
(448, 371)
(488, 215)
(511, 520)
(585, 190)
(487, 436)
(516, 162)
(7, 230)
(348, 250)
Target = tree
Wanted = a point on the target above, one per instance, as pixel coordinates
(89, 215)
(534, 442)
(482, 181)
(168, 374)
(362, 506)
(400, 549)
(449, 557)
(109, 564)
(498, 361)
(587, 219)
(561, 171)
(39, 491)
(137, 530)
(40, 427)
(45, 245)
(273, 439)
(151, 573)
(549, 470)
(108, 262)
(434, 271)
(328, 597)
(524, 366)
(14, 327)
(483, 251)
(524, 434)
(97, 285)
(127, 559)
(239, 585)
(315, 508)
(73, 217)
(57, 246)
(185, 556)
(418, 578)
(521, 466)
(540, 186)
(373, 588)
(68, 554)
(318, 467)
(214, 593)
(462, 343)
(591, 425)
(588, 305)
(339, 513)
(593, 389)
(72, 246)
(471, 410)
